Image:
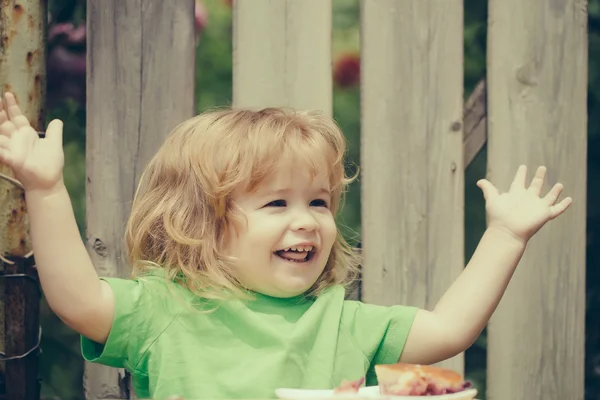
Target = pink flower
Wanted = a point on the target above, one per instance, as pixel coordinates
(346, 71)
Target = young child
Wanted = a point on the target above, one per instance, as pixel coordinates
(238, 264)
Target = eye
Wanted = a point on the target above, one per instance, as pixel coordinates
(319, 203)
(276, 203)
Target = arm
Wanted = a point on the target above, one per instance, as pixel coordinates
(465, 309)
(69, 281)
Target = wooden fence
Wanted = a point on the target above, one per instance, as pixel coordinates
(416, 138)
(412, 147)
(140, 83)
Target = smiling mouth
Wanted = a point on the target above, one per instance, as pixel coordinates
(297, 254)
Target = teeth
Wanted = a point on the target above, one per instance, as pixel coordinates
(299, 248)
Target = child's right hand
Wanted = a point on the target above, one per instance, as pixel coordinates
(36, 162)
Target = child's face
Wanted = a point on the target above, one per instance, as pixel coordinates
(289, 210)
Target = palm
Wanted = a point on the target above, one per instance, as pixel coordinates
(521, 211)
(37, 163)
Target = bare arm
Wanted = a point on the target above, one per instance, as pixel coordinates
(464, 310)
(69, 281)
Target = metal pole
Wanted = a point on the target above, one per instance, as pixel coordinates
(22, 71)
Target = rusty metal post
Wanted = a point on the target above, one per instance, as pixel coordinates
(22, 71)
(22, 329)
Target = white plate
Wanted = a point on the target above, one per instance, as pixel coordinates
(299, 394)
(468, 394)
(371, 392)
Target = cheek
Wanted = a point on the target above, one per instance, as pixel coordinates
(259, 233)
(329, 229)
(235, 238)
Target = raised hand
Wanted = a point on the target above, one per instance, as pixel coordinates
(521, 211)
(36, 162)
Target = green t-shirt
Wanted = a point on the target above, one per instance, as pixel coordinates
(244, 349)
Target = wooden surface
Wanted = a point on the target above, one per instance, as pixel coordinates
(140, 84)
(537, 82)
(412, 151)
(282, 54)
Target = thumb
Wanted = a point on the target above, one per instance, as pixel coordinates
(487, 188)
(54, 133)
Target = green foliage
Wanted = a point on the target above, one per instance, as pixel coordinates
(592, 365)
(475, 31)
(67, 10)
(346, 111)
(61, 366)
(73, 116)
(214, 60)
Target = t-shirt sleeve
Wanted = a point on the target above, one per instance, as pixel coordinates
(132, 329)
(379, 331)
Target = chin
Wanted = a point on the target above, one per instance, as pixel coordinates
(291, 292)
(288, 290)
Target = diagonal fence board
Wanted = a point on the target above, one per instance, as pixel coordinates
(140, 84)
(412, 151)
(537, 115)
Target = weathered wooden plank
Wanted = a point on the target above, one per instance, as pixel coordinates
(412, 151)
(23, 72)
(140, 83)
(537, 114)
(282, 54)
(474, 138)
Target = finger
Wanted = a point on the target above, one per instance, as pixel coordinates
(520, 177)
(487, 188)
(14, 112)
(6, 157)
(7, 128)
(54, 133)
(3, 115)
(560, 208)
(4, 142)
(538, 181)
(553, 194)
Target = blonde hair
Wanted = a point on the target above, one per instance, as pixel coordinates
(182, 211)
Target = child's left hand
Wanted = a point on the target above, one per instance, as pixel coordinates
(463, 311)
(521, 211)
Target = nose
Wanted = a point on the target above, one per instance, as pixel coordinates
(304, 221)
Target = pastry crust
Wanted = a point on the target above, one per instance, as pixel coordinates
(418, 380)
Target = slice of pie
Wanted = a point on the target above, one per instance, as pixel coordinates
(418, 380)
(349, 386)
